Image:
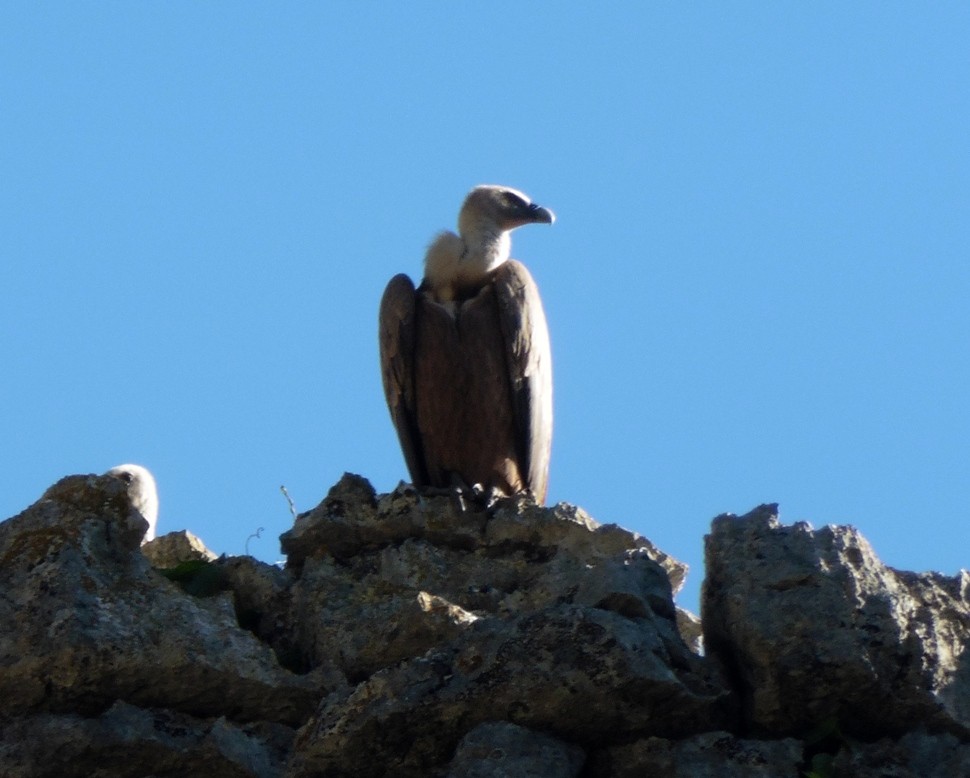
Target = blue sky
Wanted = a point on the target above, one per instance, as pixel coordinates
(757, 287)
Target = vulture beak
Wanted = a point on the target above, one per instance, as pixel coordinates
(540, 215)
(527, 213)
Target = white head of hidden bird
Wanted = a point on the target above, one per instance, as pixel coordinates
(465, 357)
(142, 493)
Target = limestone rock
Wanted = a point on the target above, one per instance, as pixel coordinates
(331, 601)
(691, 630)
(261, 595)
(361, 559)
(709, 755)
(499, 749)
(915, 755)
(568, 528)
(817, 628)
(581, 674)
(511, 605)
(418, 635)
(174, 548)
(88, 622)
(351, 519)
(130, 741)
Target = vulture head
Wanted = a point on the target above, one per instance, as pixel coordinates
(142, 492)
(457, 266)
(499, 209)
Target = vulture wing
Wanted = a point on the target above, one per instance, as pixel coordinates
(397, 341)
(529, 357)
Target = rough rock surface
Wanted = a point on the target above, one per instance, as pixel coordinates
(88, 622)
(581, 674)
(128, 740)
(414, 635)
(816, 628)
(175, 548)
(710, 755)
(915, 755)
(499, 749)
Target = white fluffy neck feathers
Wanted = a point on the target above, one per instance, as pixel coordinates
(457, 266)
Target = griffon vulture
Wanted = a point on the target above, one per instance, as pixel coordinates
(142, 493)
(465, 357)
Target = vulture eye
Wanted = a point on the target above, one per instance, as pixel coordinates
(126, 477)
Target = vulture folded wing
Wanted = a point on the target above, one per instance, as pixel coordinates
(397, 336)
(529, 358)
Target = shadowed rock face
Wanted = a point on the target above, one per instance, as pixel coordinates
(819, 629)
(88, 621)
(523, 614)
(415, 636)
(499, 748)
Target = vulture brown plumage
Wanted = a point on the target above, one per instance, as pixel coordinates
(465, 357)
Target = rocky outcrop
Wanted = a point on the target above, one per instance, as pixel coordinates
(418, 635)
(88, 622)
(816, 628)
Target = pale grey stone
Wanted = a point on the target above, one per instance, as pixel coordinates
(818, 629)
(87, 621)
(577, 673)
(174, 548)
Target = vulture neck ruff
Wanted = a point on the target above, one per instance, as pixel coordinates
(457, 268)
